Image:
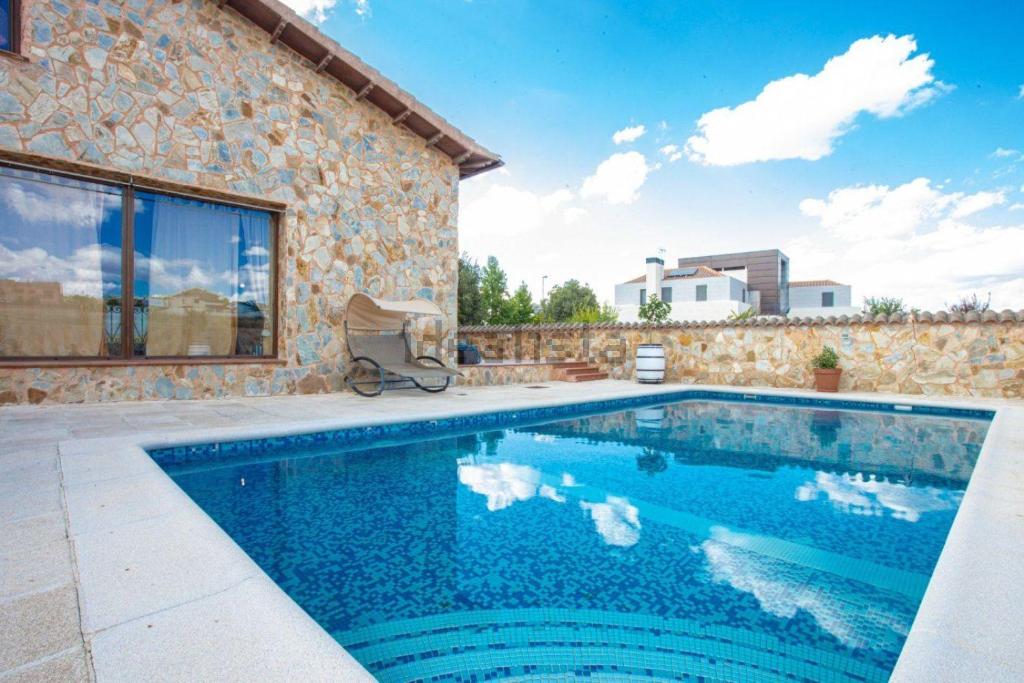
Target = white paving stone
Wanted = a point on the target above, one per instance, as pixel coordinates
(218, 636)
(147, 566)
(218, 617)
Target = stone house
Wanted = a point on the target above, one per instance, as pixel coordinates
(191, 191)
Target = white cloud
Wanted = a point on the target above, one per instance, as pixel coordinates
(913, 242)
(49, 204)
(1020, 93)
(618, 178)
(864, 212)
(801, 116)
(672, 152)
(856, 495)
(785, 588)
(1003, 152)
(877, 211)
(974, 203)
(363, 8)
(573, 214)
(314, 10)
(503, 483)
(616, 520)
(628, 134)
(503, 210)
(1016, 207)
(80, 274)
(257, 251)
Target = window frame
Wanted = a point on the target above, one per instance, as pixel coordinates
(643, 296)
(669, 290)
(14, 49)
(697, 293)
(832, 300)
(125, 355)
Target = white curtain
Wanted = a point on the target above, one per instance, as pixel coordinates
(192, 278)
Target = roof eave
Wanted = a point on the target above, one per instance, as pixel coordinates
(326, 56)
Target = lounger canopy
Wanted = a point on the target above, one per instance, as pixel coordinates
(365, 312)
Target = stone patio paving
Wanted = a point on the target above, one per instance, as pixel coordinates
(71, 610)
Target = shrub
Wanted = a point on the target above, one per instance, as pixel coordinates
(828, 359)
(655, 310)
(883, 305)
(745, 315)
(971, 303)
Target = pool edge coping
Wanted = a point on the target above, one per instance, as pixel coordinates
(930, 637)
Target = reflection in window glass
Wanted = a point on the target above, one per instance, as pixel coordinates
(202, 279)
(60, 266)
(5, 24)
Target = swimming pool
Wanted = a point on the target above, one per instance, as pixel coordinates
(734, 540)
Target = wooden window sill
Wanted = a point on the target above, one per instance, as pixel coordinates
(14, 56)
(134, 362)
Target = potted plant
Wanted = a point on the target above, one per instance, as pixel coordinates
(650, 357)
(827, 370)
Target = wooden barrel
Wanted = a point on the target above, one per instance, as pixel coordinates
(650, 363)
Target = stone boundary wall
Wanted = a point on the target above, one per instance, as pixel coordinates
(925, 353)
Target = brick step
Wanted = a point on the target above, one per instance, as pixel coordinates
(587, 376)
(582, 370)
(577, 371)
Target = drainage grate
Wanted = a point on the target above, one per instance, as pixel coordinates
(536, 386)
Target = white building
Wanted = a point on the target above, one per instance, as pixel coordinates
(695, 293)
(812, 298)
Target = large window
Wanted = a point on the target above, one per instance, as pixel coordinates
(73, 254)
(666, 294)
(828, 299)
(9, 25)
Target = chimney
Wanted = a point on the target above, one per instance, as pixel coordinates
(655, 274)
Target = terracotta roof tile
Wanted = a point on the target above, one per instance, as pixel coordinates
(815, 283)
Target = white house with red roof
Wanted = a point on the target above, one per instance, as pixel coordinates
(695, 293)
(701, 292)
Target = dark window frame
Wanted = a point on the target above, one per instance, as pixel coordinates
(667, 299)
(698, 291)
(831, 300)
(643, 296)
(126, 357)
(15, 26)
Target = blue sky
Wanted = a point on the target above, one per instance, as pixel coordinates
(898, 168)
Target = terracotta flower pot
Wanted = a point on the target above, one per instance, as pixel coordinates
(827, 379)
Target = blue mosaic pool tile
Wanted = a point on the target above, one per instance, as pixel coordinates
(499, 419)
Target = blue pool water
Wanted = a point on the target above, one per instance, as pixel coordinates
(698, 540)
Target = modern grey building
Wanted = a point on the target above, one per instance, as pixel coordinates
(767, 272)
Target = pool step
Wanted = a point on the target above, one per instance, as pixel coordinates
(578, 371)
(548, 644)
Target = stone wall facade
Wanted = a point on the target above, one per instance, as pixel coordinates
(939, 354)
(189, 93)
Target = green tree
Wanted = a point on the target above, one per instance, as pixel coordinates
(655, 310)
(566, 299)
(471, 309)
(605, 314)
(883, 305)
(494, 292)
(520, 307)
